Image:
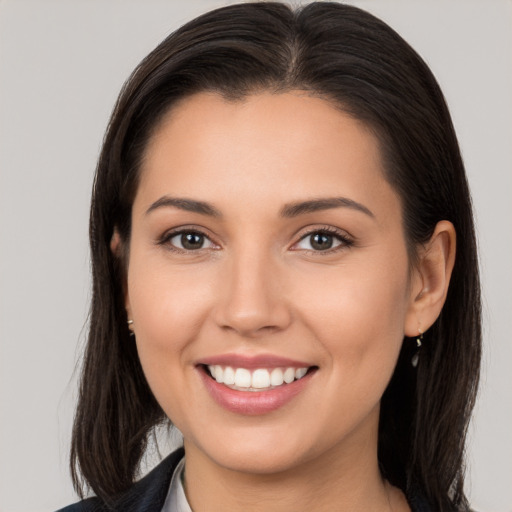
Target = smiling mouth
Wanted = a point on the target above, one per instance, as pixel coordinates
(259, 379)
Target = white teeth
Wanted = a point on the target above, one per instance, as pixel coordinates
(299, 373)
(289, 375)
(219, 374)
(229, 376)
(261, 378)
(242, 378)
(276, 377)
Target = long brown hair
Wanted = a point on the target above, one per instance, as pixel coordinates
(359, 64)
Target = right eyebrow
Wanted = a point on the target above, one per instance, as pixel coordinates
(318, 204)
(189, 205)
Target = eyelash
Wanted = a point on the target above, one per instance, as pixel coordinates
(345, 241)
(167, 237)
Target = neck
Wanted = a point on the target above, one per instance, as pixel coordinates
(348, 476)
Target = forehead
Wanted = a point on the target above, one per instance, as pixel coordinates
(288, 145)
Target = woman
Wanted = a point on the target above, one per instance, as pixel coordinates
(284, 266)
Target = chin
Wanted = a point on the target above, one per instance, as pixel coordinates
(261, 452)
(258, 462)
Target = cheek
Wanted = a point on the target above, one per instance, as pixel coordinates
(358, 320)
(168, 309)
(359, 312)
(166, 301)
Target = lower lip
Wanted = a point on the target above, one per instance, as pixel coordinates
(253, 403)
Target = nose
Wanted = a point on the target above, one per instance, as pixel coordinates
(252, 300)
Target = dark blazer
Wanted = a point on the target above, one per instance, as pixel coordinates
(148, 494)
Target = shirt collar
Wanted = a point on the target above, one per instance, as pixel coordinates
(176, 500)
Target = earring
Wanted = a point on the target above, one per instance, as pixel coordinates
(130, 323)
(416, 357)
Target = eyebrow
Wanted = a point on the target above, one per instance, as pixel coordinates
(289, 210)
(315, 205)
(189, 205)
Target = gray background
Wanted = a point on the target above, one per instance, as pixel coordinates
(62, 64)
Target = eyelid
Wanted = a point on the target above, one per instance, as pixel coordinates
(345, 238)
(171, 233)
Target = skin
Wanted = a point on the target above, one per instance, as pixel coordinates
(258, 286)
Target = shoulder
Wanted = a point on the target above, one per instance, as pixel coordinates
(146, 495)
(88, 505)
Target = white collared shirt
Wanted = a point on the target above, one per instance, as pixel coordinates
(176, 500)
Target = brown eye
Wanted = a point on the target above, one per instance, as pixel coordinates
(190, 241)
(323, 240)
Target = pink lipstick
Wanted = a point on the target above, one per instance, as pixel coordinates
(253, 385)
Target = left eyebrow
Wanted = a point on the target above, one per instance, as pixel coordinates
(189, 205)
(315, 205)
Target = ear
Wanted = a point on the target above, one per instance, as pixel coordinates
(115, 244)
(431, 278)
(116, 247)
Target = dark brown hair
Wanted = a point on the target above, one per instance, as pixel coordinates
(360, 65)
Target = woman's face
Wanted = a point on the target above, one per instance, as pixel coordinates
(265, 244)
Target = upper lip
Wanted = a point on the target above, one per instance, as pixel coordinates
(253, 361)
